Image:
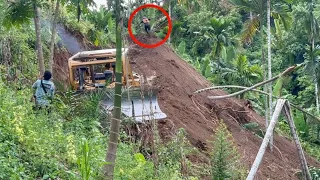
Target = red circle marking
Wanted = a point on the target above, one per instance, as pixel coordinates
(149, 45)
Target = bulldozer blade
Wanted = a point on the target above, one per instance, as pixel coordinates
(141, 106)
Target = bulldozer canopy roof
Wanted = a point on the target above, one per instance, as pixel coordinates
(96, 54)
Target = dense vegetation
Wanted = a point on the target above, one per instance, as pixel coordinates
(226, 41)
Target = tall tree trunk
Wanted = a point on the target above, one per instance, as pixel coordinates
(316, 79)
(303, 162)
(264, 72)
(38, 35)
(316, 85)
(312, 30)
(115, 121)
(267, 137)
(269, 65)
(53, 36)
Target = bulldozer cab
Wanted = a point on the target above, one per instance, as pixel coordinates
(89, 70)
(96, 69)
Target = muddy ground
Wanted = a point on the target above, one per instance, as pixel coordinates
(176, 81)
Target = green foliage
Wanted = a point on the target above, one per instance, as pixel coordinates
(314, 172)
(83, 160)
(241, 72)
(278, 87)
(255, 128)
(311, 149)
(81, 6)
(132, 164)
(102, 34)
(224, 157)
(68, 17)
(18, 13)
(172, 157)
(39, 146)
(34, 146)
(301, 124)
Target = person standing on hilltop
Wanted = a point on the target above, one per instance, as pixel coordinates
(44, 91)
(146, 22)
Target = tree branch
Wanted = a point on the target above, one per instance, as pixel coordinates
(287, 71)
(262, 92)
(266, 139)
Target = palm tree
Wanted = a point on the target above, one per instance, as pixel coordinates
(115, 121)
(22, 11)
(241, 72)
(314, 33)
(53, 35)
(217, 37)
(312, 28)
(258, 10)
(269, 67)
(217, 33)
(82, 6)
(191, 5)
(103, 32)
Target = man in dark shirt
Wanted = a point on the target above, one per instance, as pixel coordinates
(146, 22)
(44, 91)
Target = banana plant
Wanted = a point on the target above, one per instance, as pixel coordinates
(103, 33)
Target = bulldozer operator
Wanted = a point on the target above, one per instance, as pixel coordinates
(108, 68)
(146, 22)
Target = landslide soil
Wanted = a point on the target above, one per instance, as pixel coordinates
(176, 81)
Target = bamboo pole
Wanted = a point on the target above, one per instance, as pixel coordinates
(287, 71)
(287, 111)
(266, 139)
(111, 154)
(303, 162)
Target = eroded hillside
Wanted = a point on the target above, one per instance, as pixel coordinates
(176, 81)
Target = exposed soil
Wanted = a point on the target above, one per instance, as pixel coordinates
(61, 55)
(84, 42)
(176, 81)
(60, 69)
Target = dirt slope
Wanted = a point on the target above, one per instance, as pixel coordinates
(177, 80)
(71, 42)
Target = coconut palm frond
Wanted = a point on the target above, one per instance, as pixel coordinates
(18, 12)
(316, 29)
(256, 69)
(250, 29)
(284, 18)
(243, 4)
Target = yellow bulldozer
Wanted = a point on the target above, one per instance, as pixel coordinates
(91, 70)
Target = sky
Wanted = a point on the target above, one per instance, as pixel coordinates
(100, 2)
(104, 2)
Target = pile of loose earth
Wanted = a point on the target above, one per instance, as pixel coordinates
(177, 81)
